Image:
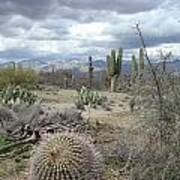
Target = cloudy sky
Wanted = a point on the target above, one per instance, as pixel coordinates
(78, 28)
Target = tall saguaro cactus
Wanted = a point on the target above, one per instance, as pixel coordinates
(134, 69)
(119, 60)
(141, 63)
(114, 65)
(13, 65)
(91, 68)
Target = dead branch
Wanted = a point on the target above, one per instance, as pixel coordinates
(153, 71)
(33, 139)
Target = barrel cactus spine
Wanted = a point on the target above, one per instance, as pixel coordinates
(66, 156)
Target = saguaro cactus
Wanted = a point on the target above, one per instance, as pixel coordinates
(13, 65)
(134, 69)
(114, 65)
(141, 63)
(120, 56)
(66, 156)
(91, 68)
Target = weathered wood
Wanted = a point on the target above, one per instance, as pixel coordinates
(33, 139)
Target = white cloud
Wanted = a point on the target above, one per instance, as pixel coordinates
(90, 31)
(88, 27)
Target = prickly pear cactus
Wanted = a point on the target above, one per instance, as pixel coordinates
(88, 97)
(66, 156)
(15, 94)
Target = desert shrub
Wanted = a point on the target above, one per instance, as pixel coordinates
(18, 119)
(69, 119)
(160, 151)
(62, 78)
(15, 94)
(24, 77)
(160, 125)
(88, 97)
(21, 121)
(7, 117)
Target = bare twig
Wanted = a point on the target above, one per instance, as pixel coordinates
(153, 71)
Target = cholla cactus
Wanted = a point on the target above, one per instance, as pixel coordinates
(12, 95)
(66, 156)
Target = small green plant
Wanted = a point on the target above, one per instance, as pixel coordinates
(15, 94)
(66, 156)
(88, 97)
(3, 141)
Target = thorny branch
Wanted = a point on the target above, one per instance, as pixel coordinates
(153, 71)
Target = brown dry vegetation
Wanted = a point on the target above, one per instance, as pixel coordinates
(110, 124)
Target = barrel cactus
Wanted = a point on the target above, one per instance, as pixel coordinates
(66, 156)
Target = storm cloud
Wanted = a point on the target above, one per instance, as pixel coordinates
(30, 28)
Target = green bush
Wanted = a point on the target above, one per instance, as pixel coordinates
(12, 75)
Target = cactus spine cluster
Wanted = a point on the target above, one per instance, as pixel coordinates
(114, 65)
(66, 156)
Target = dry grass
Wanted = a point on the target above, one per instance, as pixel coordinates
(112, 124)
(57, 96)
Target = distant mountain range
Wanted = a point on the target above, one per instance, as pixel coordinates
(49, 64)
(46, 64)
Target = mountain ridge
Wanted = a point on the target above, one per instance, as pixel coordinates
(81, 65)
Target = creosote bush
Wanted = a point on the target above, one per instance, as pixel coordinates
(17, 75)
(66, 156)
